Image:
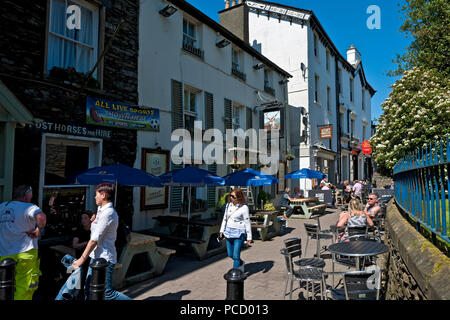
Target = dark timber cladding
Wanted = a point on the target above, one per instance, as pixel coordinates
(200, 16)
(61, 103)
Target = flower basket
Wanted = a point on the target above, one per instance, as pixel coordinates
(71, 76)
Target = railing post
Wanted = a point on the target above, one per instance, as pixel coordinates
(98, 279)
(7, 281)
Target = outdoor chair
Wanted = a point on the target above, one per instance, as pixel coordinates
(314, 232)
(302, 274)
(295, 245)
(357, 285)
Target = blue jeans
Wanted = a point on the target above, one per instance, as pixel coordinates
(110, 293)
(234, 246)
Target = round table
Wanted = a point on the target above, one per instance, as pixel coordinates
(358, 249)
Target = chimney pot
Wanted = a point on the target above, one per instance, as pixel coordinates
(227, 4)
(233, 3)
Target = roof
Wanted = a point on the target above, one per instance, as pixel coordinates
(200, 16)
(316, 26)
(17, 111)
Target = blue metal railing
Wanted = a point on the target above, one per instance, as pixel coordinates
(422, 184)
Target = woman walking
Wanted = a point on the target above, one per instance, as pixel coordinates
(236, 227)
(102, 240)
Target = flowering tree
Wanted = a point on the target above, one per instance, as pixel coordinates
(416, 113)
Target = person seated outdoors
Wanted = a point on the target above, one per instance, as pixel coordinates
(323, 186)
(285, 202)
(354, 217)
(372, 208)
(297, 193)
(347, 192)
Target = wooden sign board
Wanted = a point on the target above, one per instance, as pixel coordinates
(326, 132)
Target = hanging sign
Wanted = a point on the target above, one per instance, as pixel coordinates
(326, 132)
(366, 149)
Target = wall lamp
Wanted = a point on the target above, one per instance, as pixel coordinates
(284, 81)
(258, 66)
(222, 43)
(168, 11)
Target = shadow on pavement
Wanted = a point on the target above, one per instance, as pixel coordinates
(171, 296)
(255, 267)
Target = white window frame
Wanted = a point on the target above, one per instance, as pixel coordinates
(95, 159)
(237, 115)
(192, 39)
(95, 36)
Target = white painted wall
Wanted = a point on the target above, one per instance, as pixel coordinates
(161, 59)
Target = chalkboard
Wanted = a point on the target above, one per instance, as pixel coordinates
(324, 196)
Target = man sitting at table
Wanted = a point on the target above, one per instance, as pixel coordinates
(372, 208)
(285, 202)
(297, 193)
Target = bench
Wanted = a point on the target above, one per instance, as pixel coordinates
(307, 207)
(140, 243)
(200, 246)
(270, 219)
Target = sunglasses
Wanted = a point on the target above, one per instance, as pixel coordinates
(233, 197)
(29, 189)
(372, 199)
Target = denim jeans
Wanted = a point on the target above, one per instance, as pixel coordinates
(72, 287)
(234, 246)
(110, 293)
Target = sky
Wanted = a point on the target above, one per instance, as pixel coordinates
(345, 22)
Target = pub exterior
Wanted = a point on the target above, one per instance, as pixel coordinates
(47, 100)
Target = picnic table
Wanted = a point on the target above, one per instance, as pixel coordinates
(306, 207)
(266, 224)
(202, 238)
(140, 243)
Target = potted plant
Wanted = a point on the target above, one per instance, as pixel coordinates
(290, 156)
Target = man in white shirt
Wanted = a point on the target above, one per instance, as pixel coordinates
(21, 223)
(103, 238)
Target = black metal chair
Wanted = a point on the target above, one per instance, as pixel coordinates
(303, 274)
(295, 244)
(357, 285)
(315, 232)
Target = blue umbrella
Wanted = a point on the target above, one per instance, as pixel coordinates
(305, 173)
(249, 177)
(118, 174)
(190, 177)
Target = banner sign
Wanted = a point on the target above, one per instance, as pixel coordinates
(103, 112)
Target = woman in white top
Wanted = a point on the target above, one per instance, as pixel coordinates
(102, 241)
(236, 227)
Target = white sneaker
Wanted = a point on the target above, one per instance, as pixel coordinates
(286, 224)
(241, 267)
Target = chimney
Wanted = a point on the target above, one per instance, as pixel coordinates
(233, 3)
(227, 4)
(353, 55)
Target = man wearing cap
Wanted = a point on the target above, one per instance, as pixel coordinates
(21, 223)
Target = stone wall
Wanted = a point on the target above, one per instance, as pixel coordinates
(416, 270)
(22, 64)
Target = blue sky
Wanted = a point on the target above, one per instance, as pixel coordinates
(345, 23)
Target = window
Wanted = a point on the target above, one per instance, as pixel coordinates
(77, 48)
(189, 34)
(363, 99)
(235, 60)
(352, 121)
(267, 78)
(316, 89)
(328, 61)
(316, 46)
(363, 133)
(237, 115)
(59, 197)
(342, 122)
(351, 89)
(191, 108)
(339, 81)
(328, 99)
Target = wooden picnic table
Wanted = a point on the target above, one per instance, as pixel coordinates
(140, 243)
(306, 207)
(168, 227)
(266, 224)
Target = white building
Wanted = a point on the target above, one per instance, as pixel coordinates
(193, 69)
(328, 89)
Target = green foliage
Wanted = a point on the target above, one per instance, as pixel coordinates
(268, 206)
(264, 196)
(221, 201)
(428, 22)
(416, 113)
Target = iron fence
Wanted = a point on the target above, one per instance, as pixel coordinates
(422, 184)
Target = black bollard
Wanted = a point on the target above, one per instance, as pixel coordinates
(98, 279)
(7, 282)
(235, 284)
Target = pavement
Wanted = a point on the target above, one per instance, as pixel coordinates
(187, 278)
